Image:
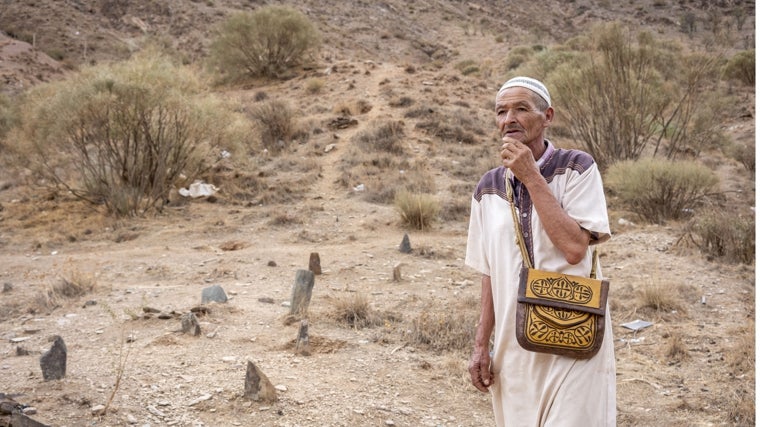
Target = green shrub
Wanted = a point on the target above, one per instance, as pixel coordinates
(731, 240)
(517, 56)
(467, 67)
(742, 67)
(660, 190)
(276, 124)
(417, 210)
(652, 87)
(123, 134)
(267, 42)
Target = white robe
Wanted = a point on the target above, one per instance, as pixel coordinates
(537, 389)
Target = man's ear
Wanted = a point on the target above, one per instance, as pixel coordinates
(549, 116)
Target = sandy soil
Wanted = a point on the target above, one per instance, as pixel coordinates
(693, 367)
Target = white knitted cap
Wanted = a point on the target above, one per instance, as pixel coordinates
(530, 84)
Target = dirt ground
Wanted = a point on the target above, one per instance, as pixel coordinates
(695, 366)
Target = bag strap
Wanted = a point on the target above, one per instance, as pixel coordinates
(518, 229)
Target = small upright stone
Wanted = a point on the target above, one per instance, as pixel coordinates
(53, 361)
(301, 297)
(315, 265)
(190, 324)
(397, 272)
(257, 385)
(405, 246)
(302, 341)
(213, 294)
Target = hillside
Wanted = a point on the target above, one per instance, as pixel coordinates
(380, 61)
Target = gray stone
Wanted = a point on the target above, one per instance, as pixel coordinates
(190, 324)
(213, 294)
(302, 341)
(301, 296)
(19, 419)
(53, 361)
(406, 246)
(397, 273)
(257, 386)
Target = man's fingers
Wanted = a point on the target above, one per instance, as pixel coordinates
(480, 378)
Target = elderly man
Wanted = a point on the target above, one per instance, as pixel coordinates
(563, 213)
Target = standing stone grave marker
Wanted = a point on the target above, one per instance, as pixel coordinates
(302, 341)
(257, 385)
(53, 361)
(301, 297)
(315, 265)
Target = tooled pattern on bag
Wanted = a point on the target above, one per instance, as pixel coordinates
(562, 289)
(541, 332)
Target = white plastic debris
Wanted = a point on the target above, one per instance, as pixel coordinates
(198, 189)
(637, 325)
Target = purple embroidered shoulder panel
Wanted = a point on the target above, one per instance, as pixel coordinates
(561, 161)
(492, 183)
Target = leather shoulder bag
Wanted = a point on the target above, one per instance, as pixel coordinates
(558, 313)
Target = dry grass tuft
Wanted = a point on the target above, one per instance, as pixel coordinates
(417, 210)
(75, 285)
(741, 356)
(314, 85)
(659, 296)
(676, 349)
(441, 328)
(355, 311)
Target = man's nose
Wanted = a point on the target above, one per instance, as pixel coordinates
(508, 117)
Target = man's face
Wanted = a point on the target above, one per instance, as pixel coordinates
(518, 117)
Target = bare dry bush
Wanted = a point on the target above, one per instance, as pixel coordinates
(417, 210)
(384, 137)
(743, 153)
(457, 125)
(276, 124)
(731, 241)
(659, 190)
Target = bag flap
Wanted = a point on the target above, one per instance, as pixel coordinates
(563, 291)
